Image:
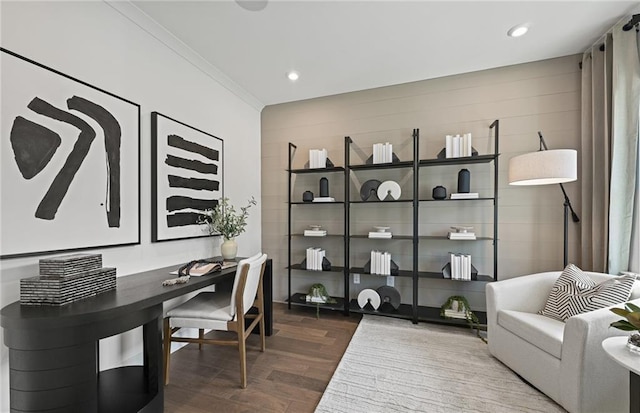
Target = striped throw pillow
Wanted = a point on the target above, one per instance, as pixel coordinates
(574, 292)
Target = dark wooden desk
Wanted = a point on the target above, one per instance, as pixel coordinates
(53, 357)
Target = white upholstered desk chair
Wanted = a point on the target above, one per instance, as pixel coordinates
(223, 312)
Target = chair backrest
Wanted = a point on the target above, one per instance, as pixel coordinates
(238, 276)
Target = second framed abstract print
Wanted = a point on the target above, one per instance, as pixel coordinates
(186, 178)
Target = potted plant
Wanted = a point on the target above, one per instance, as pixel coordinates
(631, 313)
(226, 221)
(457, 307)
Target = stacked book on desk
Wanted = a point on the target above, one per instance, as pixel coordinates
(324, 199)
(68, 278)
(461, 233)
(465, 195)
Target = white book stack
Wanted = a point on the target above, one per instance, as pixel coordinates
(316, 299)
(461, 233)
(315, 232)
(380, 263)
(314, 258)
(317, 158)
(466, 145)
(382, 152)
(455, 314)
(381, 235)
(324, 199)
(458, 146)
(460, 266)
(465, 195)
(380, 232)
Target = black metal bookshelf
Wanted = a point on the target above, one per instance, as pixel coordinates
(409, 309)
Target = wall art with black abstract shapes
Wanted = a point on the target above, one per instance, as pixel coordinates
(69, 162)
(186, 173)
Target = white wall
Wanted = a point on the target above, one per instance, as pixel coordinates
(94, 42)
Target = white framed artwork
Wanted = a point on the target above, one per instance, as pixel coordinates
(69, 162)
(186, 175)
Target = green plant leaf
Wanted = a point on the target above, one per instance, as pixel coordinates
(623, 325)
(620, 311)
(633, 307)
(225, 220)
(634, 318)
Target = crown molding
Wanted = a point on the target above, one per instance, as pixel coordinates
(153, 28)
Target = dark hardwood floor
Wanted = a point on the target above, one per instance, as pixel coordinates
(290, 376)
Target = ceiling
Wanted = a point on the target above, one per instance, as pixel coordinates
(345, 46)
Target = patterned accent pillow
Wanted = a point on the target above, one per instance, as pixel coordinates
(574, 292)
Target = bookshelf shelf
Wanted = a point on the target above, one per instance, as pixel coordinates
(300, 299)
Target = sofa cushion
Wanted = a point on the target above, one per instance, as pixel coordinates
(574, 292)
(543, 332)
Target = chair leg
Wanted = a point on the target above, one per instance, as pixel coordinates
(167, 349)
(242, 349)
(262, 338)
(201, 337)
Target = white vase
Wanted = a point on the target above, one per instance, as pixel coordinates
(229, 249)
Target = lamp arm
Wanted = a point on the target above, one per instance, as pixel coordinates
(543, 144)
(567, 201)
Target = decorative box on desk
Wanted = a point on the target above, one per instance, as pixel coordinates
(66, 279)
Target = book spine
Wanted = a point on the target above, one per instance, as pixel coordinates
(468, 146)
(457, 146)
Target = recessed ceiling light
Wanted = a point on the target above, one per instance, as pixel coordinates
(293, 76)
(519, 30)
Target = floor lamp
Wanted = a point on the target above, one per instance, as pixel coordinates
(548, 167)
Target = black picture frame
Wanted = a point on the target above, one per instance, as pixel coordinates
(69, 162)
(187, 177)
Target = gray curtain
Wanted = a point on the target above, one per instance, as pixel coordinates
(610, 111)
(596, 156)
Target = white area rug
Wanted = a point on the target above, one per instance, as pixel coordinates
(392, 365)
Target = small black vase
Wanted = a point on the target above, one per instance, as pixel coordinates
(464, 181)
(324, 187)
(307, 196)
(439, 192)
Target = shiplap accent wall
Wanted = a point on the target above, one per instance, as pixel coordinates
(527, 98)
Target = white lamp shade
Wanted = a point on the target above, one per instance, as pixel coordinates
(544, 167)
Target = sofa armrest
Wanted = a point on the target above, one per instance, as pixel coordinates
(527, 293)
(587, 372)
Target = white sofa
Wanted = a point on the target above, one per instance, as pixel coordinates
(563, 360)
